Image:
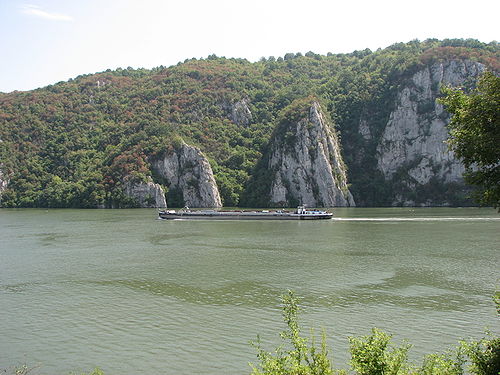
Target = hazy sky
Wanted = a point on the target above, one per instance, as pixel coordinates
(46, 41)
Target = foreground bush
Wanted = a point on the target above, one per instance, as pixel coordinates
(484, 355)
(370, 355)
(300, 358)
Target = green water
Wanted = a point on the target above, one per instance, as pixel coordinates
(131, 294)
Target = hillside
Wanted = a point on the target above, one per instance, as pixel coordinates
(223, 131)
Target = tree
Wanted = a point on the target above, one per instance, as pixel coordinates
(474, 135)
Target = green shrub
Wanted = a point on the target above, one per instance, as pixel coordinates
(373, 354)
(300, 358)
(484, 355)
(370, 355)
(443, 364)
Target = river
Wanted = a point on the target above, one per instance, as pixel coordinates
(131, 294)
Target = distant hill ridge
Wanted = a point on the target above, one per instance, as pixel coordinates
(344, 129)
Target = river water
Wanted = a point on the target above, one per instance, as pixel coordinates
(131, 294)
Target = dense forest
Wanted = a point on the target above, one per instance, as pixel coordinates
(72, 144)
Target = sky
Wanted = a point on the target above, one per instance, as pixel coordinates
(46, 41)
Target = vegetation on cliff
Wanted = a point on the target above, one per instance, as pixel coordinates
(73, 143)
(475, 135)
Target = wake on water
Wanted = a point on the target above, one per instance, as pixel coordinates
(389, 219)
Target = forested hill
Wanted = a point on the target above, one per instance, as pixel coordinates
(95, 140)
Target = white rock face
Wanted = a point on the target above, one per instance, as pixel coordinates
(189, 170)
(364, 130)
(148, 194)
(240, 113)
(311, 170)
(3, 183)
(414, 137)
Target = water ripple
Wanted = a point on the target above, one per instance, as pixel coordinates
(416, 219)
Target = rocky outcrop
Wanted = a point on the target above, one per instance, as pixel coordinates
(187, 170)
(364, 130)
(3, 183)
(413, 141)
(307, 164)
(147, 194)
(239, 111)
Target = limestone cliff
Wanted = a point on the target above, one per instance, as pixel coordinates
(307, 164)
(147, 194)
(187, 171)
(412, 149)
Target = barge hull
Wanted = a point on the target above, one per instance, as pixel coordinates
(238, 216)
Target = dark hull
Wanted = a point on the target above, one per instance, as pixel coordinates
(243, 216)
